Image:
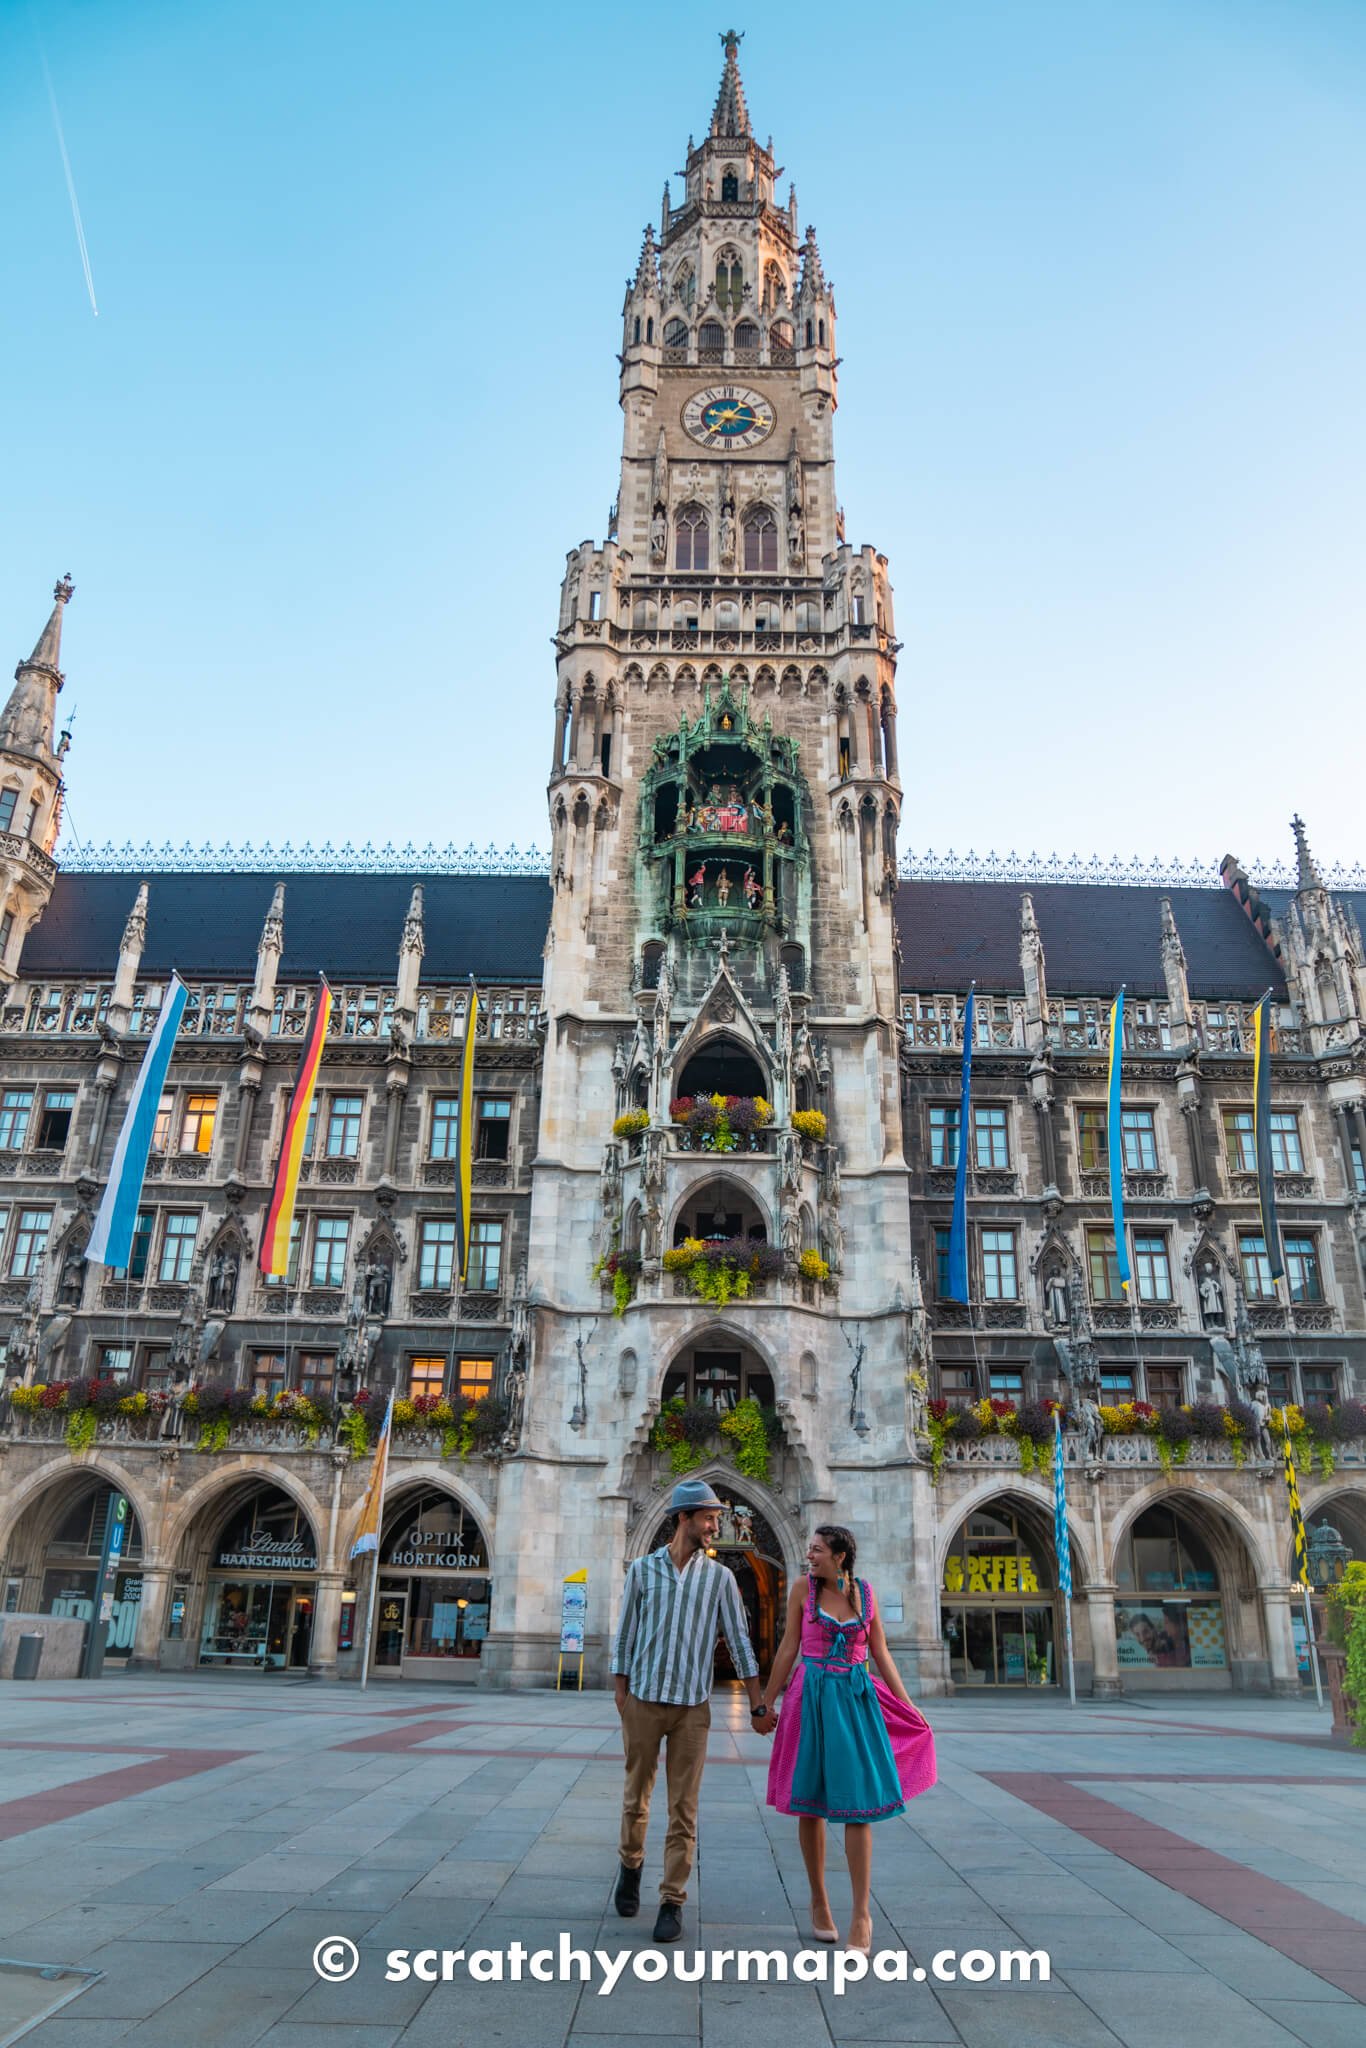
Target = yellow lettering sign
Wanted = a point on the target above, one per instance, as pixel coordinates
(1028, 1582)
(1012, 1573)
(953, 1575)
(977, 1575)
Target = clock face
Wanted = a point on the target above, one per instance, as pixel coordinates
(728, 416)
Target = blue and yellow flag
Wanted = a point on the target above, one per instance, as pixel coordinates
(1115, 1133)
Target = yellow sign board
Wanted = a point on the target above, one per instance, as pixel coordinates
(999, 1574)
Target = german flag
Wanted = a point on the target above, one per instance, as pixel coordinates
(280, 1215)
(464, 1172)
(1261, 1124)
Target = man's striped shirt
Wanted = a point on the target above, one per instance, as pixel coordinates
(670, 1620)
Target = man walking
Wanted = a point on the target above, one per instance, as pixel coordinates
(677, 1601)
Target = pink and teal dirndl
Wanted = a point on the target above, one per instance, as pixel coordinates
(845, 1748)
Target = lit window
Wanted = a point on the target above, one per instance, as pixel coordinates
(177, 1246)
(1152, 1267)
(267, 1374)
(999, 1279)
(196, 1126)
(426, 1376)
(330, 1235)
(1140, 1140)
(476, 1378)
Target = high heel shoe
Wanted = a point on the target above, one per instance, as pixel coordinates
(826, 1934)
(861, 1948)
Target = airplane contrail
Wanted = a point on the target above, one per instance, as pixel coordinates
(70, 182)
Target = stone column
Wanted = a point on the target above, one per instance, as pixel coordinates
(1280, 1639)
(322, 1648)
(156, 1583)
(1100, 1611)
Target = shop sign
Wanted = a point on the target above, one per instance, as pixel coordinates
(267, 1553)
(999, 1574)
(421, 1549)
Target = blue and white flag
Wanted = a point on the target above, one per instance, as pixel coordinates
(111, 1241)
(1062, 1543)
(958, 1233)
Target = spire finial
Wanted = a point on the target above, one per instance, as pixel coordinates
(64, 589)
(1307, 873)
(731, 116)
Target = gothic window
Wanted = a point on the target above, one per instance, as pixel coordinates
(650, 331)
(676, 334)
(761, 540)
(775, 287)
(747, 335)
(730, 282)
(690, 530)
(8, 799)
(808, 618)
(645, 614)
(636, 331)
(820, 333)
(810, 332)
(730, 185)
(711, 341)
(780, 336)
(684, 285)
(727, 616)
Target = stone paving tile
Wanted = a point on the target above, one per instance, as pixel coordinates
(65, 2031)
(1257, 1971)
(221, 2012)
(1320, 2026)
(1033, 2016)
(1200, 2009)
(770, 2016)
(286, 2034)
(139, 1976)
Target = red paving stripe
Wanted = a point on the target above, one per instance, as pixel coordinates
(41, 1809)
(1319, 1938)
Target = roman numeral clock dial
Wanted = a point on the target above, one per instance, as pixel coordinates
(728, 416)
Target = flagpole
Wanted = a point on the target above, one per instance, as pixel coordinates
(382, 1453)
(1062, 1548)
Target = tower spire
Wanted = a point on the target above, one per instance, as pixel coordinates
(28, 721)
(647, 269)
(1306, 867)
(731, 116)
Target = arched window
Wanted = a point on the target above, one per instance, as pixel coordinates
(810, 332)
(676, 334)
(730, 185)
(808, 616)
(761, 539)
(650, 331)
(645, 614)
(780, 336)
(775, 287)
(711, 341)
(636, 335)
(690, 532)
(685, 285)
(747, 335)
(730, 281)
(820, 332)
(727, 616)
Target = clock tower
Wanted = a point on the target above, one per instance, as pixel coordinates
(724, 800)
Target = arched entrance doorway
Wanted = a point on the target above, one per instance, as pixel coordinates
(1177, 1581)
(997, 1602)
(747, 1546)
(1335, 1527)
(432, 1601)
(54, 1559)
(261, 1584)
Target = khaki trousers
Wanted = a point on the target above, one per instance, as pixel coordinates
(683, 1731)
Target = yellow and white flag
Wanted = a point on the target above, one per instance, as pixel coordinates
(367, 1535)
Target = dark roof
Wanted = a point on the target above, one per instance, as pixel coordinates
(491, 926)
(1095, 936)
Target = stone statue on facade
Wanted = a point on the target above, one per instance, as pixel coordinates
(795, 539)
(223, 1272)
(71, 1282)
(727, 535)
(1055, 1299)
(1211, 1294)
(377, 1286)
(659, 535)
(171, 1428)
(789, 1161)
(651, 1226)
(185, 1340)
(790, 1232)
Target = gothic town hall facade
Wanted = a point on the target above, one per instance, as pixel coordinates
(716, 1125)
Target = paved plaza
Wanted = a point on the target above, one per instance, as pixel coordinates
(1196, 1871)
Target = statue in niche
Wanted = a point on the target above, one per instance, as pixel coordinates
(1055, 1298)
(72, 1280)
(1211, 1294)
(723, 888)
(659, 535)
(1092, 1426)
(696, 885)
(790, 1231)
(171, 1428)
(223, 1271)
(727, 534)
(377, 1285)
(651, 1224)
(795, 540)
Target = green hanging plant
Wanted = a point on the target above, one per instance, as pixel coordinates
(81, 1428)
(745, 1428)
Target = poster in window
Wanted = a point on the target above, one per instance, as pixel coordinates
(1152, 1637)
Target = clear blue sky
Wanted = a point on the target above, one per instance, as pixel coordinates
(351, 395)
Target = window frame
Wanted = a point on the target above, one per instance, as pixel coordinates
(1142, 1261)
(27, 1249)
(1142, 1131)
(1283, 1125)
(436, 1251)
(1093, 1137)
(942, 1123)
(325, 1235)
(995, 1257)
(1301, 1252)
(352, 1121)
(15, 1104)
(1001, 1129)
(477, 1385)
(1254, 1266)
(1240, 1137)
(483, 1245)
(433, 1381)
(1098, 1236)
(486, 1124)
(192, 1120)
(181, 1240)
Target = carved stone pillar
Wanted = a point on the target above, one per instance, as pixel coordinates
(99, 1118)
(1100, 1611)
(327, 1606)
(1188, 1094)
(248, 1094)
(156, 1581)
(1280, 1640)
(393, 1110)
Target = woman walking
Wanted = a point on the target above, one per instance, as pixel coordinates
(850, 1745)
